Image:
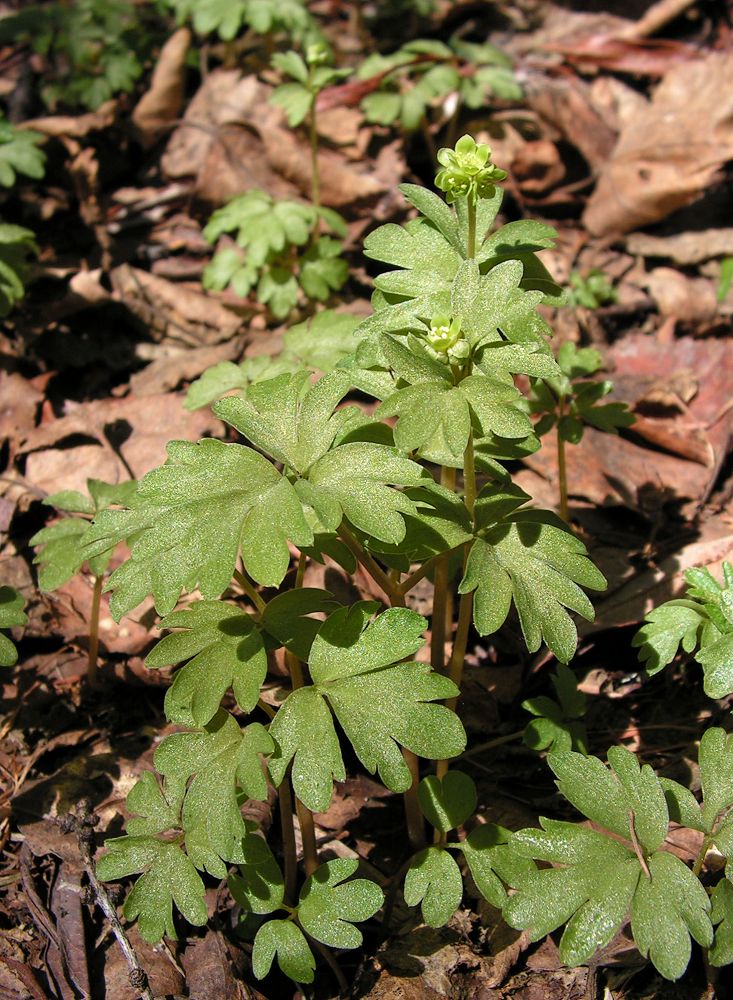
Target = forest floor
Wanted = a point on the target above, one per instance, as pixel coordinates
(622, 141)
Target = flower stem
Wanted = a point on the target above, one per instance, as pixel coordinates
(562, 472)
(93, 654)
(471, 244)
(287, 830)
(413, 813)
(249, 588)
(442, 617)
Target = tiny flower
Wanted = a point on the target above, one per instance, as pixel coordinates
(467, 171)
(444, 333)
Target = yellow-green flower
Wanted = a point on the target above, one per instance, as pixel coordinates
(467, 171)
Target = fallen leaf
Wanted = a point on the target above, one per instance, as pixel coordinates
(161, 104)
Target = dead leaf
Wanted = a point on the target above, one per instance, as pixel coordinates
(161, 104)
(687, 299)
(565, 103)
(76, 126)
(671, 150)
(172, 311)
(19, 403)
(182, 365)
(690, 247)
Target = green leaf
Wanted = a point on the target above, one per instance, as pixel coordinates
(259, 887)
(382, 107)
(380, 706)
(329, 905)
(324, 340)
(592, 893)
(220, 758)
(303, 731)
(322, 269)
(286, 940)
(612, 797)
(168, 877)
(716, 659)
(286, 618)
(192, 517)
(715, 758)
(491, 861)
(155, 809)
(682, 805)
(61, 555)
(224, 650)
(556, 726)
(16, 245)
(721, 952)
(19, 154)
(294, 99)
(667, 909)
(436, 211)
(531, 558)
(448, 802)
(434, 880)
(11, 614)
(288, 418)
(673, 624)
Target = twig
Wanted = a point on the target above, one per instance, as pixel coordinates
(658, 15)
(637, 846)
(82, 823)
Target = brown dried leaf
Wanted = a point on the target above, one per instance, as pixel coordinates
(161, 104)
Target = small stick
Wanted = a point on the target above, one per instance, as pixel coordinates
(637, 846)
(82, 824)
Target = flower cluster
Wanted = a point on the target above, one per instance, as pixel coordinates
(445, 342)
(467, 171)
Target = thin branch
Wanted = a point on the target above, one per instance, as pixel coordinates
(637, 846)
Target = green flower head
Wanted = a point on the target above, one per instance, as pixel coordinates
(444, 340)
(467, 171)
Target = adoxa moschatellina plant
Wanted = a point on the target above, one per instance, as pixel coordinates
(417, 489)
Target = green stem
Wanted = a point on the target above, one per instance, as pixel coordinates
(707, 842)
(93, 655)
(305, 816)
(471, 247)
(249, 588)
(315, 172)
(562, 472)
(371, 566)
(413, 814)
(287, 829)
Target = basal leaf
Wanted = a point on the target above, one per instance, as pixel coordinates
(259, 887)
(434, 881)
(330, 906)
(286, 940)
(448, 802)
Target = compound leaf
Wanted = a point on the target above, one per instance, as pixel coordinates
(224, 649)
(448, 802)
(168, 877)
(330, 906)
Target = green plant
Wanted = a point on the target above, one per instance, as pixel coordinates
(700, 623)
(725, 278)
(91, 46)
(558, 724)
(425, 73)
(268, 234)
(11, 615)
(592, 291)
(330, 479)
(572, 401)
(60, 547)
(228, 17)
(17, 244)
(19, 153)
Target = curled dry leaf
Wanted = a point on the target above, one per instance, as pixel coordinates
(161, 104)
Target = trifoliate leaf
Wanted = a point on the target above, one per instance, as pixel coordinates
(191, 518)
(556, 726)
(221, 758)
(322, 269)
(616, 798)
(434, 880)
(11, 614)
(721, 952)
(259, 887)
(531, 558)
(592, 893)
(288, 418)
(286, 940)
(294, 99)
(168, 877)
(671, 625)
(262, 225)
(224, 649)
(379, 706)
(667, 909)
(448, 802)
(330, 906)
